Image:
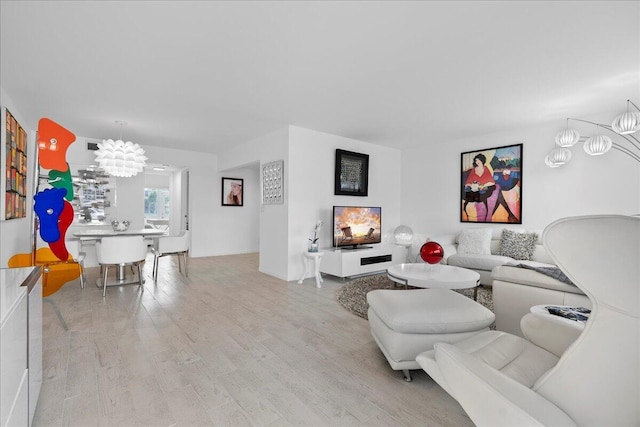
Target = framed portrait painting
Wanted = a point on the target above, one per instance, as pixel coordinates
(351, 173)
(491, 185)
(232, 191)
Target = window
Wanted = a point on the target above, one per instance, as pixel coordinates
(156, 206)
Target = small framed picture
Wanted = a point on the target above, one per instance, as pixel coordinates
(232, 191)
(352, 173)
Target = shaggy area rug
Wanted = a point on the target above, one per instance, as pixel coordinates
(353, 295)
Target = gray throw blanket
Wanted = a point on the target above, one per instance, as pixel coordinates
(554, 272)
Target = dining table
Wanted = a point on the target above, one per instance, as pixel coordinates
(102, 232)
(99, 233)
(160, 224)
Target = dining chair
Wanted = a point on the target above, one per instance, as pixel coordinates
(120, 251)
(171, 245)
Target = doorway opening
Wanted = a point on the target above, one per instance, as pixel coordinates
(166, 198)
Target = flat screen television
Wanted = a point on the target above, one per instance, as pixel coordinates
(356, 226)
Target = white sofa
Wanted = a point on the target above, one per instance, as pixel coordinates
(484, 264)
(515, 289)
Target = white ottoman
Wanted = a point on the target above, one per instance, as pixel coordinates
(405, 323)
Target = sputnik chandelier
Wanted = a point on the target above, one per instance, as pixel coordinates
(623, 126)
(119, 158)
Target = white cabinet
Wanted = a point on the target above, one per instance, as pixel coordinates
(19, 415)
(13, 354)
(353, 262)
(19, 316)
(35, 346)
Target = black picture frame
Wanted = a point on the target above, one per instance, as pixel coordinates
(495, 196)
(230, 196)
(351, 173)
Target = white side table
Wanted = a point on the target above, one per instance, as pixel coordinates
(308, 257)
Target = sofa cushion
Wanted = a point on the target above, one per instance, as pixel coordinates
(428, 311)
(478, 262)
(526, 277)
(520, 246)
(475, 241)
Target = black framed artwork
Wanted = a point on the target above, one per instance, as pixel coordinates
(352, 173)
(491, 185)
(232, 191)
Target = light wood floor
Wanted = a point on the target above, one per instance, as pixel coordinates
(227, 346)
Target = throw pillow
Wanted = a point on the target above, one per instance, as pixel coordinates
(518, 245)
(475, 241)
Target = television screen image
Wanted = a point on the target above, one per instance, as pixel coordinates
(355, 226)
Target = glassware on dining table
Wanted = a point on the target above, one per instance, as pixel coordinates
(120, 225)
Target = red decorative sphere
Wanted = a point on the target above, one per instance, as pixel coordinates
(431, 252)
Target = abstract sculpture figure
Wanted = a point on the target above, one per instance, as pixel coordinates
(53, 141)
(49, 204)
(58, 179)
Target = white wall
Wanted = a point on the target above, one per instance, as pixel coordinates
(214, 227)
(217, 229)
(272, 223)
(156, 180)
(587, 185)
(418, 187)
(237, 228)
(311, 188)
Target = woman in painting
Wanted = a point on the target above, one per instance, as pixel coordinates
(235, 195)
(479, 184)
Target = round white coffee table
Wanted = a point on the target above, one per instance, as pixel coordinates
(422, 275)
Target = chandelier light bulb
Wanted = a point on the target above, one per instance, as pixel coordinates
(626, 123)
(558, 157)
(621, 128)
(548, 162)
(567, 138)
(597, 145)
(119, 158)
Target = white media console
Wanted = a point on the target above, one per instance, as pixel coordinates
(353, 262)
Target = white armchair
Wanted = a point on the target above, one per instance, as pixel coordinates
(596, 381)
(171, 245)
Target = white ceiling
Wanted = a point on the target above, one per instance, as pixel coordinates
(205, 75)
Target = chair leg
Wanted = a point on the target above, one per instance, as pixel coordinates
(186, 273)
(104, 281)
(153, 269)
(156, 261)
(82, 274)
(140, 277)
(179, 264)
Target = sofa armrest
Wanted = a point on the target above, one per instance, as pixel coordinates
(511, 301)
(503, 402)
(552, 333)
